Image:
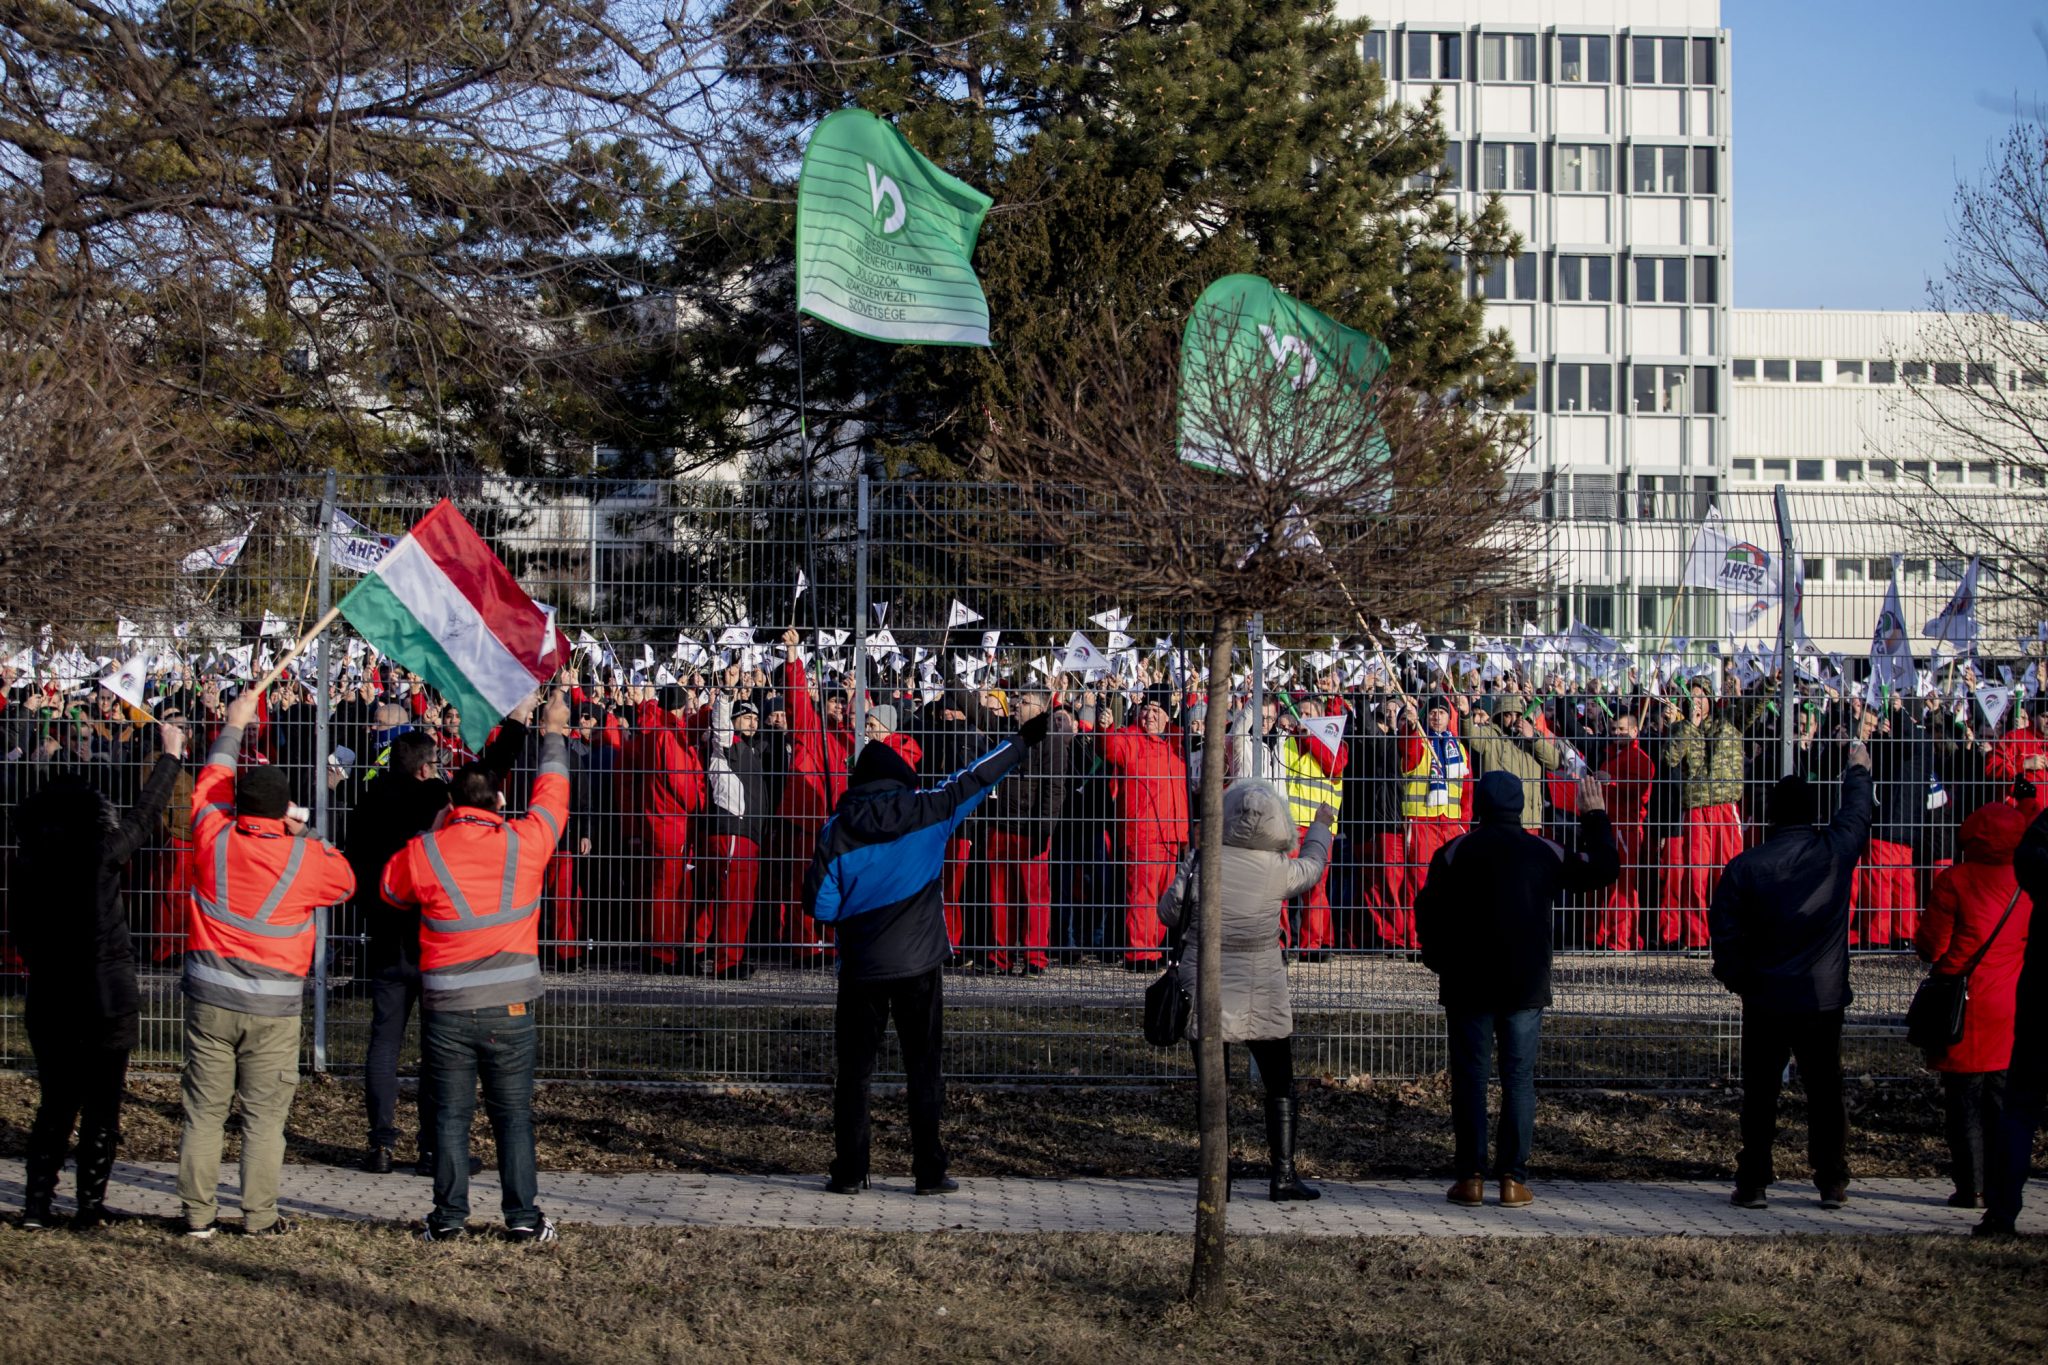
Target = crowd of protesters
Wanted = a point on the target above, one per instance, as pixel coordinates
(697, 802)
(1474, 815)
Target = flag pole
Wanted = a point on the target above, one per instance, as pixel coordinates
(305, 641)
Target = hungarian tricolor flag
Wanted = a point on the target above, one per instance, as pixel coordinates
(442, 604)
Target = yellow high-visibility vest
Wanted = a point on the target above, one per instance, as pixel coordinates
(1419, 801)
(1307, 786)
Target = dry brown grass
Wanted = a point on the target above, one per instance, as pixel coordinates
(1384, 1130)
(339, 1291)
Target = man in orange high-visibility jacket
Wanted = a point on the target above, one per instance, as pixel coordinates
(255, 881)
(477, 881)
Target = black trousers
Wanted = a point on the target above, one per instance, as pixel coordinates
(81, 1084)
(1275, 1059)
(863, 1014)
(1972, 1107)
(1768, 1040)
(394, 994)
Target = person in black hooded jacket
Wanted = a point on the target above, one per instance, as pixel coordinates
(1485, 916)
(1780, 932)
(82, 999)
(875, 878)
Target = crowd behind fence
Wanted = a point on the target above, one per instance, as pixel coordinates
(798, 623)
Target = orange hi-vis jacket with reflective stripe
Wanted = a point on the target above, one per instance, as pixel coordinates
(255, 887)
(476, 879)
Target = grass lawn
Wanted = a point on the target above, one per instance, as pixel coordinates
(346, 1292)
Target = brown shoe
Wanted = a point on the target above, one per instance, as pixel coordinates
(1468, 1193)
(1514, 1194)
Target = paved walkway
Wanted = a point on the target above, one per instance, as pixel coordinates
(1383, 1208)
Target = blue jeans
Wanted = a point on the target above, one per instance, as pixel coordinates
(1472, 1038)
(496, 1046)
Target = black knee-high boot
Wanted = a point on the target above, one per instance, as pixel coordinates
(96, 1147)
(46, 1149)
(1281, 1116)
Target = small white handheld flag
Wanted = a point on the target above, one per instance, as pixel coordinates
(1956, 623)
(126, 681)
(1328, 729)
(801, 584)
(1996, 701)
(1113, 619)
(961, 615)
(1081, 656)
(273, 625)
(217, 556)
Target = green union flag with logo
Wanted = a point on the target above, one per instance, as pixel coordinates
(885, 239)
(1244, 337)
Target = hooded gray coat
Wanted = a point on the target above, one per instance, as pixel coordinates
(1259, 875)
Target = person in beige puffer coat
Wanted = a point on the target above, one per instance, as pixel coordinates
(1260, 873)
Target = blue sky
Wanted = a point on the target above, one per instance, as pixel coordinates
(1852, 124)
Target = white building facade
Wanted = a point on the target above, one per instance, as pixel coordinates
(1604, 127)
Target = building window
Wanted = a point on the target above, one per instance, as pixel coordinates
(1585, 388)
(1777, 471)
(2032, 379)
(1706, 389)
(1585, 279)
(1849, 471)
(1884, 471)
(1507, 57)
(1848, 570)
(1525, 401)
(1660, 279)
(1810, 471)
(1984, 375)
(1879, 569)
(1657, 170)
(2033, 476)
(1814, 568)
(1583, 59)
(1884, 372)
(1948, 372)
(1703, 61)
(1744, 469)
(1434, 56)
(1507, 166)
(1916, 372)
(1949, 471)
(1706, 170)
(1745, 369)
(1914, 571)
(1706, 280)
(1375, 50)
(1777, 371)
(1502, 278)
(1584, 168)
(1659, 388)
(1914, 469)
(1848, 372)
(1656, 61)
(1806, 371)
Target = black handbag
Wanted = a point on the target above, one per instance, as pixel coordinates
(1934, 1021)
(1167, 1004)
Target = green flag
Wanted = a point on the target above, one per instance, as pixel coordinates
(1246, 336)
(885, 239)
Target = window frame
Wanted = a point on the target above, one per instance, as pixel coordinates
(1586, 267)
(1606, 48)
(1578, 380)
(1513, 46)
(1603, 160)
(1509, 165)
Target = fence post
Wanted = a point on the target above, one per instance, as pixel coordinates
(1258, 642)
(323, 745)
(1788, 602)
(860, 615)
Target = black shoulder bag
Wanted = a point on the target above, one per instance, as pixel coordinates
(1166, 1004)
(1934, 1021)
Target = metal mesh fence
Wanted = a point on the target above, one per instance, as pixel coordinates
(674, 935)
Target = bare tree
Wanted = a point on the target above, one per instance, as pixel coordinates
(1976, 387)
(1331, 505)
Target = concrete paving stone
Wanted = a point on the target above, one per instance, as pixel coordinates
(1398, 1208)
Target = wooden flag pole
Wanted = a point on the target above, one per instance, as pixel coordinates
(277, 669)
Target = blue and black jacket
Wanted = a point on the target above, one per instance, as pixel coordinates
(875, 874)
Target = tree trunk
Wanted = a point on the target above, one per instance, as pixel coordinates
(1206, 1286)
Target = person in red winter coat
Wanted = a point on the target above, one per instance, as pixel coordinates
(667, 787)
(1964, 906)
(1152, 820)
(1629, 772)
(821, 753)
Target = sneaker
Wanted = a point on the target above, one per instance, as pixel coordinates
(283, 1227)
(1748, 1198)
(1834, 1196)
(37, 1219)
(527, 1237)
(199, 1233)
(429, 1233)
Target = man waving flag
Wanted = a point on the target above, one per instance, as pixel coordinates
(441, 604)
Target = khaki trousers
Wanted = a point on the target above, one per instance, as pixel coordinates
(229, 1054)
